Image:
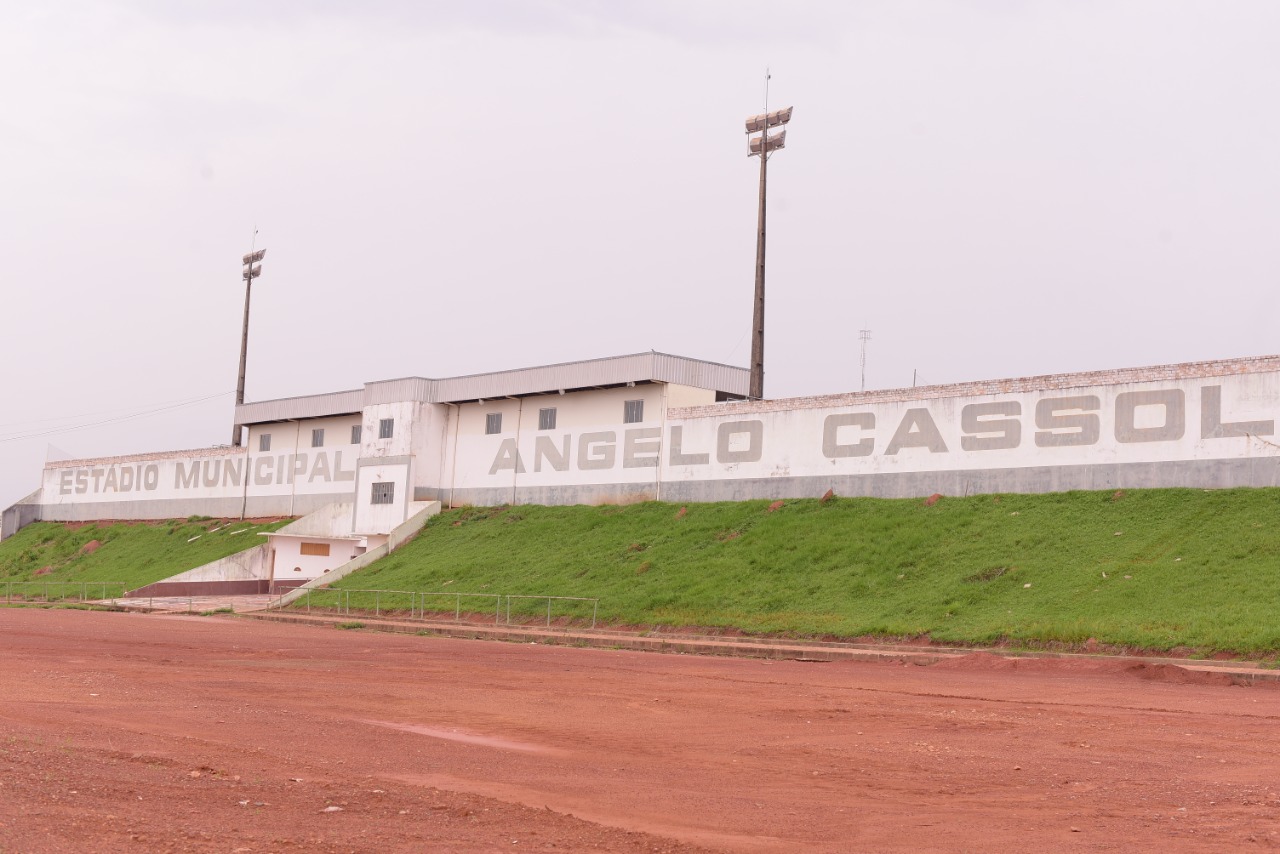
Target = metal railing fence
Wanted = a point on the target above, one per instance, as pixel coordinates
(413, 604)
(63, 591)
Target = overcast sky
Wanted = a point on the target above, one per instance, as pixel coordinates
(995, 188)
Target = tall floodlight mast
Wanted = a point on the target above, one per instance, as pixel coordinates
(762, 146)
(252, 270)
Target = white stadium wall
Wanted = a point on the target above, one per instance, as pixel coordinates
(1203, 425)
(295, 477)
(147, 486)
(584, 460)
(1206, 424)
(288, 480)
(1183, 432)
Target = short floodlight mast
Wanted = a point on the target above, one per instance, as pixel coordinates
(762, 146)
(252, 270)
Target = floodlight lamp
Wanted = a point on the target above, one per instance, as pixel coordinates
(253, 257)
(755, 124)
(776, 141)
(251, 273)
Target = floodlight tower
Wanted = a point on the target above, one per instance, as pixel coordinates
(252, 270)
(761, 146)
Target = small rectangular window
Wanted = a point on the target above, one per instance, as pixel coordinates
(386, 427)
(547, 419)
(355, 433)
(317, 549)
(317, 438)
(264, 442)
(493, 423)
(383, 493)
(633, 412)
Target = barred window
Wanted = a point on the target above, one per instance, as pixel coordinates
(315, 549)
(386, 427)
(547, 419)
(383, 493)
(355, 433)
(633, 412)
(493, 423)
(317, 438)
(264, 442)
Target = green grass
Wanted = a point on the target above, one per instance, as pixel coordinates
(1154, 569)
(135, 554)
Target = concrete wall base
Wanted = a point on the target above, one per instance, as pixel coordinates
(1196, 474)
(20, 515)
(179, 589)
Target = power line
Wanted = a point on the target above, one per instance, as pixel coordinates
(56, 430)
(31, 422)
(734, 351)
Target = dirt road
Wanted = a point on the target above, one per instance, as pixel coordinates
(157, 733)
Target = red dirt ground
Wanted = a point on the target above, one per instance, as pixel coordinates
(176, 733)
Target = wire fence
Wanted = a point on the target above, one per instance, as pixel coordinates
(63, 591)
(110, 593)
(488, 608)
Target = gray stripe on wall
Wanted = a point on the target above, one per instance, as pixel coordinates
(297, 505)
(1202, 474)
(181, 508)
(171, 508)
(1199, 474)
(402, 460)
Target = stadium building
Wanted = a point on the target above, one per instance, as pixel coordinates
(357, 465)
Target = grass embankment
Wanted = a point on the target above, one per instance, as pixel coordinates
(134, 554)
(1154, 569)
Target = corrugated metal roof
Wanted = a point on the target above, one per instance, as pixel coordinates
(591, 373)
(394, 391)
(295, 408)
(596, 373)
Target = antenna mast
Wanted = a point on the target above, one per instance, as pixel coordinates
(865, 336)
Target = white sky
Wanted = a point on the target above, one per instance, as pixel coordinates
(995, 188)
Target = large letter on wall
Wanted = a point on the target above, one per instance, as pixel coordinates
(678, 457)
(1212, 426)
(1085, 426)
(508, 457)
(1175, 415)
(974, 421)
(917, 430)
(596, 450)
(753, 430)
(640, 448)
(831, 447)
(262, 471)
(545, 449)
(184, 479)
